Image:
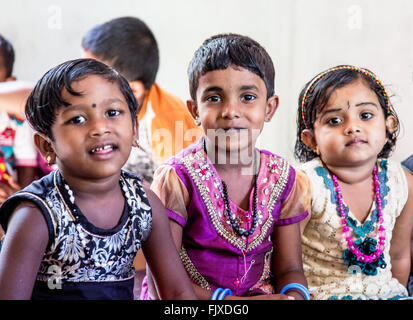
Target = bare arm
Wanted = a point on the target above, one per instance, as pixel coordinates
(169, 275)
(287, 262)
(22, 252)
(176, 231)
(13, 96)
(400, 252)
(203, 294)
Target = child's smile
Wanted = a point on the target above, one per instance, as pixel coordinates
(232, 106)
(94, 133)
(103, 150)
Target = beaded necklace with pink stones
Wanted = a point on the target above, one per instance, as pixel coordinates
(361, 254)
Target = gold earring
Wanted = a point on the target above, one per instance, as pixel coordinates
(137, 142)
(49, 159)
(197, 121)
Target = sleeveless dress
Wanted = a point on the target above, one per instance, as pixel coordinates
(82, 261)
(328, 276)
(213, 254)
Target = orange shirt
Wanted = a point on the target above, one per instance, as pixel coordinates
(170, 125)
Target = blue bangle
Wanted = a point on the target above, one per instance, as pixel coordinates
(224, 293)
(216, 293)
(299, 287)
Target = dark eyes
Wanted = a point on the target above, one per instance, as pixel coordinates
(248, 97)
(113, 113)
(334, 121)
(213, 99)
(79, 119)
(217, 98)
(366, 115)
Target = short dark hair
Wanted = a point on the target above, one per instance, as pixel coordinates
(46, 97)
(128, 45)
(222, 50)
(7, 53)
(317, 98)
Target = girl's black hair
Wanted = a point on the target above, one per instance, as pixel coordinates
(318, 96)
(220, 51)
(46, 97)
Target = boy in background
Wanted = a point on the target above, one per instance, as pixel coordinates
(129, 46)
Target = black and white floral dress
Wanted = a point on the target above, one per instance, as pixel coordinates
(82, 261)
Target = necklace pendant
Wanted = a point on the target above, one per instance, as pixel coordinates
(237, 282)
(367, 254)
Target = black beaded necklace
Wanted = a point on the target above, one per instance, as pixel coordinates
(235, 226)
(90, 259)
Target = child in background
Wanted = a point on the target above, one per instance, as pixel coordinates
(74, 233)
(6, 60)
(233, 208)
(13, 94)
(17, 151)
(356, 243)
(129, 46)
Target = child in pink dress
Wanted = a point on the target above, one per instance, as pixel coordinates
(233, 208)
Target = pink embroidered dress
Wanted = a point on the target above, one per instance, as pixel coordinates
(213, 254)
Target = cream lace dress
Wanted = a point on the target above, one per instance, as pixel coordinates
(328, 276)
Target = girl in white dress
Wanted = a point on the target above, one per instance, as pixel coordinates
(356, 241)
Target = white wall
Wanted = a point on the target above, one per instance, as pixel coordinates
(302, 36)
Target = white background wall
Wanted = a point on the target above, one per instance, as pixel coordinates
(303, 37)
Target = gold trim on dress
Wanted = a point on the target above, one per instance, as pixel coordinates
(231, 237)
(192, 270)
